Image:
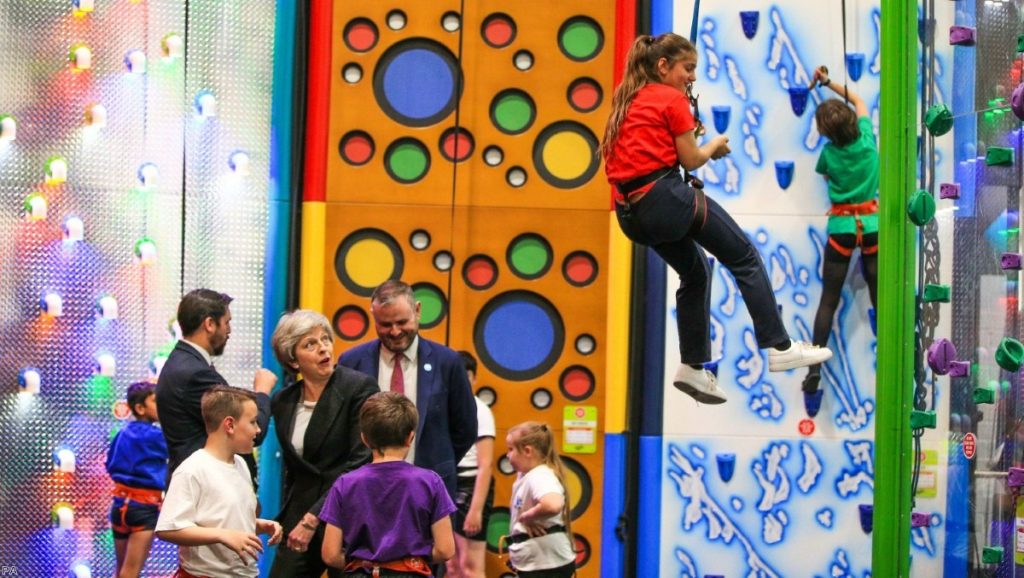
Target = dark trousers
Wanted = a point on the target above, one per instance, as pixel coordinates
(662, 220)
(291, 564)
(566, 571)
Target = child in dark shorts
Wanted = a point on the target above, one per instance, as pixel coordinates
(137, 462)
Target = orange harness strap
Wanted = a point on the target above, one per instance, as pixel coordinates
(854, 210)
(409, 564)
(139, 496)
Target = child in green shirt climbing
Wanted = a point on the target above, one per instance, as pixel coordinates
(849, 163)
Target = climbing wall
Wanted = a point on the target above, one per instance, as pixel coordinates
(974, 240)
(132, 163)
(748, 485)
(462, 160)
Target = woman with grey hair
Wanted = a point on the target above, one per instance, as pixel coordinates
(317, 420)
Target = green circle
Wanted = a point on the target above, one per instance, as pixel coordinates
(513, 112)
(408, 161)
(497, 527)
(530, 256)
(431, 305)
(581, 39)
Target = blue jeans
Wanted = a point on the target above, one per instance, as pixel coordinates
(662, 220)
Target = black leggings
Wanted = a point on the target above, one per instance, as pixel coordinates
(566, 571)
(833, 275)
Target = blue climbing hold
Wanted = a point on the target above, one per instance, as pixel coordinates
(812, 402)
(798, 99)
(721, 115)
(854, 65)
(784, 173)
(726, 466)
(749, 19)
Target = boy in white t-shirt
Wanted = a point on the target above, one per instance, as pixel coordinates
(210, 507)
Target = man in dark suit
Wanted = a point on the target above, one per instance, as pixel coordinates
(429, 373)
(205, 320)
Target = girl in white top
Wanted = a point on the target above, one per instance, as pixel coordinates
(541, 539)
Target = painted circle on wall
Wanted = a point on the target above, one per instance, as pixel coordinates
(583, 550)
(513, 111)
(576, 383)
(519, 335)
(415, 82)
(356, 148)
(480, 272)
(407, 160)
(350, 323)
(498, 30)
(565, 154)
(581, 488)
(365, 259)
(585, 344)
(456, 144)
(579, 268)
(541, 398)
(433, 305)
(360, 35)
(420, 239)
(585, 94)
(498, 527)
(443, 260)
(529, 256)
(580, 38)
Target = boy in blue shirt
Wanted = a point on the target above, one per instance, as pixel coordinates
(137, 462)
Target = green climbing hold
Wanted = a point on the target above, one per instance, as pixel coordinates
(1010, 354)
(921, 207)
(1020, 43)
(984, 394)
(999, 156)
(992, 555)
(922, 419)
(938, 120)
(933, 293)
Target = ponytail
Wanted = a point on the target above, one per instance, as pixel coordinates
(538, 436)
(641, 69)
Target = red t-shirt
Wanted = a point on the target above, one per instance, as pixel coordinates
(647, 138)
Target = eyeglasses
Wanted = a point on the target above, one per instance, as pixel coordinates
(312, 344)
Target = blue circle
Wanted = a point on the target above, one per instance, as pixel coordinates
(416, 82)
(519, 335)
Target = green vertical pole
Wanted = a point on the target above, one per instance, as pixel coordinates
(898, 125)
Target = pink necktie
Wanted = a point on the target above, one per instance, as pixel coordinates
(397, 379)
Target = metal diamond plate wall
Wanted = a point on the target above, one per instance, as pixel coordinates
(129, 170)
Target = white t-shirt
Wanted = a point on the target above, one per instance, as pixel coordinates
(209, 493)
(484, 429)
(303, 412)
(546, 552)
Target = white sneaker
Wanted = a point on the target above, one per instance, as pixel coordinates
(700, 384)
(799, 354)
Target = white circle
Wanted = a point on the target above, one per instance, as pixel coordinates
(493, 156)
(487, 395)
(541, 398)
(451, 22)
(523, 60)
(420, 240)
(443, 260)
(516, 177)
(352, 73)
(585, 344)
(396, 20)
(505, 466)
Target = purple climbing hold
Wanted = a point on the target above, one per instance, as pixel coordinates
(1017, 101)
(1015, 477)
(1010, 261)
(949, 191)
(961, 35)
(959, 368)
(798, 99)
(940, 354)
(919, 520)
(749, 19)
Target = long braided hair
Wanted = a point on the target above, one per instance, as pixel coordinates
(641, 68)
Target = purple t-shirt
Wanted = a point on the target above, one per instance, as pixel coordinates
(385, 510)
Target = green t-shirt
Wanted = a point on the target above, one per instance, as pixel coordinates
(852, 173)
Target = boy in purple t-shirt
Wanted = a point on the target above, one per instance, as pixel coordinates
(388, 516)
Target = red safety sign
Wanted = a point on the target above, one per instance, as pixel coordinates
(970, 445)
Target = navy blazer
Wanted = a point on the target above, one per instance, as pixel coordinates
(183, 380)
(331, 445)
(444, 400)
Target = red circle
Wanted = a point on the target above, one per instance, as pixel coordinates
(577, 383)
(499, 31)
(585, 96)
(480, 272)
(361, 36)
(970, 445)
(351, 322)
(579, 268)
(806, 426)
(358, 149)
(457, 145)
